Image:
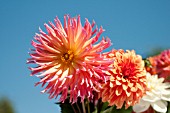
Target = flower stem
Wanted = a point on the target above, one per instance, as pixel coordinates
(78, 107)
(83, 106)
(73, 108)
(88, 106)
(168, 107)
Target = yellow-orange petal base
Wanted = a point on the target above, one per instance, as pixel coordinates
(69, 59)
(127, 82)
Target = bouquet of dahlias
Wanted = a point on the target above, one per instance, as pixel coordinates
(71, 65)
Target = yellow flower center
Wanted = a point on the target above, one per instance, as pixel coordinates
(67, 57)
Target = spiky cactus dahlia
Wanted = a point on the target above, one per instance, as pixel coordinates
(68, 60)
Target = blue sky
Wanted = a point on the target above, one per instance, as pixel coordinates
(131, 24)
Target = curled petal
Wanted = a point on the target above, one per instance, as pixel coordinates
(127, 82)
(159, 106)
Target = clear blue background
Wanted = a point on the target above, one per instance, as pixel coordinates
(131, 24)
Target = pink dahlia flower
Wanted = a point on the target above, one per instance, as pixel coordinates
(68, 60)
(161, 64)
(127, 82)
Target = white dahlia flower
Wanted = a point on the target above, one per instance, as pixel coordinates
(157, 95)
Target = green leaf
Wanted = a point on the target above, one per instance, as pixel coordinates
(147, 63)
(67, 107)
(104, 106)
(168, 107)
(6, 106)
(113, 109)
(95, 111)
(109, 110)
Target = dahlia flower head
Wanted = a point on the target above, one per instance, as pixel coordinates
(69, 59)
(161, 64)
(157, 95)
(127, 83)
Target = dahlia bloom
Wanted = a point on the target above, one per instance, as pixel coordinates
(161, 64)
(157, 95)
(127, 82)
(68, 60)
